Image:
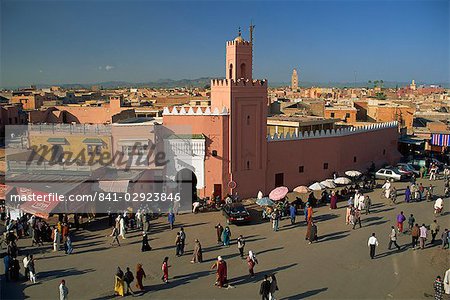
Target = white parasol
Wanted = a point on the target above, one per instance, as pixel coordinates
(316, 186)
(353, 173)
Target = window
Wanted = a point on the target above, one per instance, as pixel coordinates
(384, 151)
(388, 172)
(248, 120)
(231, 71)
(332, 114)
(354, 159)
(279, 179)
(248, 165)
(301, 169)
(347, 115)
(325, 166)
(198, 103)
(243, 75)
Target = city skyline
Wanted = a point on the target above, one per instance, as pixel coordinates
(142, 41)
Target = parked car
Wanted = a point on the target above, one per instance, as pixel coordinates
(236, 213)
(390, 173)
(408, 167)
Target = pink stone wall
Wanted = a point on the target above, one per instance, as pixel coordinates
(339, 152)
(215, 128)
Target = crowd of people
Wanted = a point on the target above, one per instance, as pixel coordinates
(357, 204)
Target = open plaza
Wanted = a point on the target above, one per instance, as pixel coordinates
(338, 265)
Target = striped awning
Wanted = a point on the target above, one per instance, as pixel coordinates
(440, 139)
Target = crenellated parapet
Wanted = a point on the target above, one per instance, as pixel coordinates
(241, 42)
(332, 133)
(195, 111)
(239, 82)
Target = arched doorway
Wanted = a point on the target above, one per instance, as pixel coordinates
(187, 185)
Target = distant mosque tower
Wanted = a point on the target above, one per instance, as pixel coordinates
(412, 86)
(294, 81)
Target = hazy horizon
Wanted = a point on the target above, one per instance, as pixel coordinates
(86, 42)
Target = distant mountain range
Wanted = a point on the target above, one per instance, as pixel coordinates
(206, 81)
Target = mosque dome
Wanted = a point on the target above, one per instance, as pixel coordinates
(239, 39)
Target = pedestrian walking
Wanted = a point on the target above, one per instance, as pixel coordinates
(434, 228)
(400, 219)
(251, 262)
(178, 245)
(119, 285)
(145, 245)
(32, 269)
(273, 287)
(221, 272)
(333, 200)
(115, 236)
(128, 278)
(182, 240)
(411, 221)
(393, 195)
(264, 290)
(407, 194)
(415, 233)
(122, 229)
(423, 236)
(68, 249)
(372, 243)
(226, 236)
(171, 219)
(25, 261)
(312, 237)
(438, 289)
(219, 231)
(165, 269)
(292, 213)
(275, 220)
(367, 204)
(140, 274)
(241, 245)
(447, 282)
(198, 253)
(63, 290)
(393, 239)
(56, 239)
(356, 217)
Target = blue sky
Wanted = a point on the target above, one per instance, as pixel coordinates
(138, 41)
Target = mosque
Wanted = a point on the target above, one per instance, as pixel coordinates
(234, 153)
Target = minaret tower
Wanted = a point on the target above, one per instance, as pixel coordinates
(294, 81)
(246, 102)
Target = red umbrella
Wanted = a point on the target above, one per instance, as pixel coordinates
(278, 193)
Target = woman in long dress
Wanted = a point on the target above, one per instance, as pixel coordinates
(145, 244)
(119, 287)
(221, 274)
(312, 232)
(251, 262)
(122, 227)
(68, 245)
(226, 235)
(140, 274)
(333, 201)
(165, 268)
(198, 255)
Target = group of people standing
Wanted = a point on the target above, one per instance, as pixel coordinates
(123, 281)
